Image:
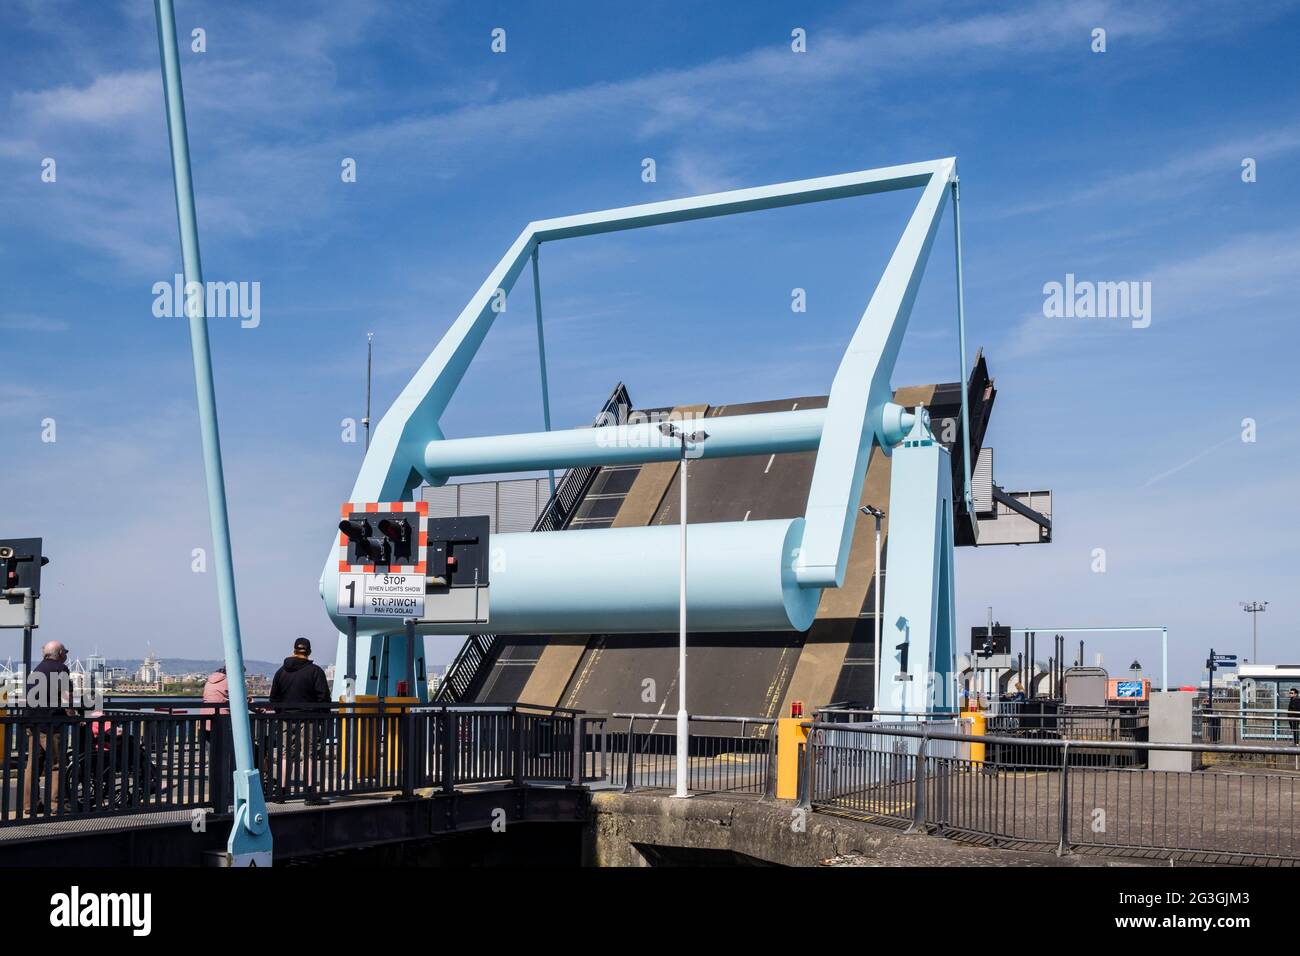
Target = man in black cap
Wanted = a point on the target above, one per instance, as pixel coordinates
(299, 681)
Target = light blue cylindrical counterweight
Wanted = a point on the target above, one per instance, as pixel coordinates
(624, 581)
(607, 580)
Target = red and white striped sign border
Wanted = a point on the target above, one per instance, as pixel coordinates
(351, 510)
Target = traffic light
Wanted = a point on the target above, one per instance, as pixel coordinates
(20, 563)
(388, 536)
(367, 549)
(988, 641)
(20, 568)
(397, 531)
(396, 561)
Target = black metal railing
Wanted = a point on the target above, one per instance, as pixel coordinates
(939, 781)
(930, 776)
(128, 759)
(107, 763)
(738, 761)
(1031, 720)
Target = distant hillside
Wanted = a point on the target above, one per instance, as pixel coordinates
(186, 665)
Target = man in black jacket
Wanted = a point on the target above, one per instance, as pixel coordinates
(299, 681)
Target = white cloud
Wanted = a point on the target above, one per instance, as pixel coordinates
(27, 322)
(1245, 270)
(1242, 270)
(1183, 173)
(109, 98)
(265, 109)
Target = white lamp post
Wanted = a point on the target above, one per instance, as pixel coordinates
(877, 514)
(683, 720)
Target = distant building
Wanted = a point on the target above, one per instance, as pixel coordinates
(259, 685)
(150, 671)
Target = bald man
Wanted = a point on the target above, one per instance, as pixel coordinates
(49, 697)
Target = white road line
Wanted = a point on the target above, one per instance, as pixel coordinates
(769, 463)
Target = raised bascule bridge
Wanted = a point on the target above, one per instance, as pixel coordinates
(597, 619)
(584, 605)
(578, 607)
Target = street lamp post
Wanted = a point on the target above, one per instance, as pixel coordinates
(1254, 609)
(683, 720)
(877, 514)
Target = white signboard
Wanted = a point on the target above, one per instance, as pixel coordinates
(381, 595)
(13, 614)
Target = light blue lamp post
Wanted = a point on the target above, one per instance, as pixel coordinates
(250, 834)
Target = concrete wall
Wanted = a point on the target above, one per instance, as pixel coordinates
(641, 829)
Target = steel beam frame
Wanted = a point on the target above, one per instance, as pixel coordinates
(408, 445)
(919, 652)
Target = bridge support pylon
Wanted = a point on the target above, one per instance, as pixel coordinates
(918, 636)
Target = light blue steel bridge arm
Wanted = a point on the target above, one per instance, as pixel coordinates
(408, 445)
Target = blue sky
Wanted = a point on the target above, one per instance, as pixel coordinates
(1115, 166)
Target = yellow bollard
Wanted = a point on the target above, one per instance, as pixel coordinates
(789, 735)
(978, 725)
(366, 731)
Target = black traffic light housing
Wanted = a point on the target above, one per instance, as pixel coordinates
(381, 538)
(458, 551)
(986, 644)
(20, 563)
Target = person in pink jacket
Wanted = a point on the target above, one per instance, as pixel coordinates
(216, 691)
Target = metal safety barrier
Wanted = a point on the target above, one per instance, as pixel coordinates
(1044, 800)
(139, 757)
(739, 759)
